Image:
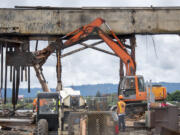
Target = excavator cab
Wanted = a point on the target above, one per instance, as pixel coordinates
(133, 88)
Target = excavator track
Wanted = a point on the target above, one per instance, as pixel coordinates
(134, 109)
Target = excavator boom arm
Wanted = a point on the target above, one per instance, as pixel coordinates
(118, 49)
(76, 37)
(82, 32)
(122, 53)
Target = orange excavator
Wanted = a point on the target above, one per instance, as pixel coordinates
(132, 86)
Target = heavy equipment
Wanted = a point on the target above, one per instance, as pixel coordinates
(132, 86)
(54, 108)
(133, 89)
(47, 117)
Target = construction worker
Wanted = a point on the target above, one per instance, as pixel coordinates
(35, 104)
(121, 107)
(42, 102)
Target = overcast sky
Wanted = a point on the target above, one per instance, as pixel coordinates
(80, 3)
(92, 67)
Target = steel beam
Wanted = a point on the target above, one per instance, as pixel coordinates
(81, 49)
(59, 21)
(98, 49)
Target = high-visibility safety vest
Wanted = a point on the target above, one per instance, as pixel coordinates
(35, 102)
(42, 102)
(121, 105)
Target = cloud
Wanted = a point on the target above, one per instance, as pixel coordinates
(85, 3)
(165, 66)
(90, 67)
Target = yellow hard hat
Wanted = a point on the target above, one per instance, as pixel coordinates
(120, 96)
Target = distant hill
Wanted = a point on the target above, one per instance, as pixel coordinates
(91, 90)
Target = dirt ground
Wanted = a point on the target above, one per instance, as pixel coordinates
(18, 130)
(3, 132)
(129, 130)
(135, 132)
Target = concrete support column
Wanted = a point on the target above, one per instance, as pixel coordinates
(133, 45)
(59, 68)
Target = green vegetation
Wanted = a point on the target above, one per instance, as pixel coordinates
(25, 103)
(174, 96)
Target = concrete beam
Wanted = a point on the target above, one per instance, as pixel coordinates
(59, 21)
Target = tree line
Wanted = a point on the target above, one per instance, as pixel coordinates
(174, 96)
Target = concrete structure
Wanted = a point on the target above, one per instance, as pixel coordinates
(47, 21)
(21, 24)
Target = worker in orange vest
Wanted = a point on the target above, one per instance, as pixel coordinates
(42, 102)
(35, 104)
(121, 108)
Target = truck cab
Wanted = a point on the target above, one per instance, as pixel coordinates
(47, 112)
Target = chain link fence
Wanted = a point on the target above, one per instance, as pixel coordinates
(101, 103)
(93, 123)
